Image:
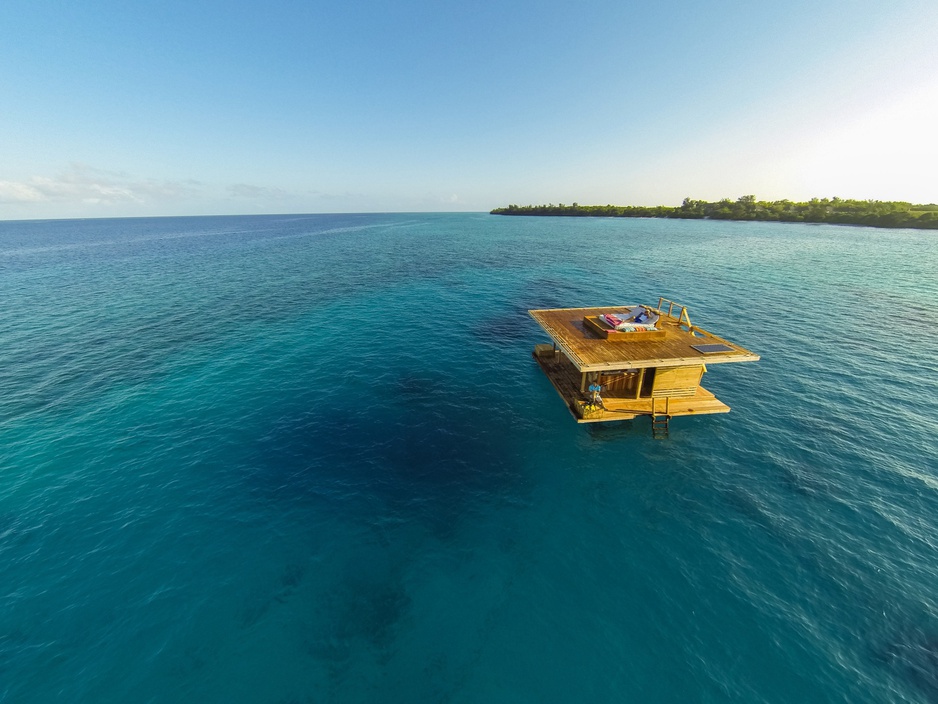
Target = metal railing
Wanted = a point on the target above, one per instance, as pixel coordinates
(683, 317)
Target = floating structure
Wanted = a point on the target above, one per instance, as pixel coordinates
(619, 362)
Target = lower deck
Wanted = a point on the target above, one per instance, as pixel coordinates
(622, 401)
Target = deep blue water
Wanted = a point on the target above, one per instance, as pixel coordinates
(310, 459)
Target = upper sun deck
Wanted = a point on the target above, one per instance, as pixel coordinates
(590, 352)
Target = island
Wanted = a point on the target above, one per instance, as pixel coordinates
(838, 211)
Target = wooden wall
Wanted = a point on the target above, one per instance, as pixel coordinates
(621, 384)
(677, 381)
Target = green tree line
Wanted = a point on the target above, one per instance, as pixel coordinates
(872, 213)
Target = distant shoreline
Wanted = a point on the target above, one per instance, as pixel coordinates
(868, 213)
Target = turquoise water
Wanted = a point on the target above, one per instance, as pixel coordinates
(310, 459)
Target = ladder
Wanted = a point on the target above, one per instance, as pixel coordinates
(660, 421)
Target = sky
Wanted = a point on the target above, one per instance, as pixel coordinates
(165, 107)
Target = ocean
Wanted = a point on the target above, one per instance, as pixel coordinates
(309, 458)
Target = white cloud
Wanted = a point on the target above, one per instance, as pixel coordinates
(250, 191)
(13, 192)
(83, 184)
(85, 191)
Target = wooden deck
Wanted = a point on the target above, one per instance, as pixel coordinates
(566, 379)
(591, 353)
(653, 374)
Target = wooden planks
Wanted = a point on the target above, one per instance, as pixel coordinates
(677, 381)
(701, 403)
(588, 352)
(566, 378)
(653, 377)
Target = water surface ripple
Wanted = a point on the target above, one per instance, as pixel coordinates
(309, 459)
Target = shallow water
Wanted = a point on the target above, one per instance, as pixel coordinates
(310, 459)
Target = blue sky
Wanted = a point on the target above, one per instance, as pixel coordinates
(168, 108)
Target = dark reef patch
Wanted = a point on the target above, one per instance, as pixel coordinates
(506, 330)
(424, 448)
(801, 480)
(913, 656)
